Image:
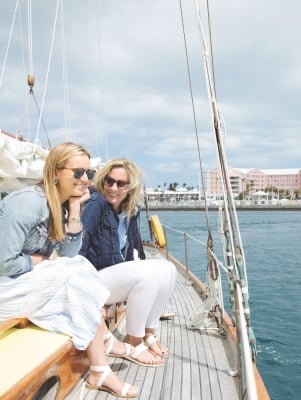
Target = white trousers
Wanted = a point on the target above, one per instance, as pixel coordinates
(146, 285)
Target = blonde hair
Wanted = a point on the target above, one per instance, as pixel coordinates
(57, 159)
(133, 198)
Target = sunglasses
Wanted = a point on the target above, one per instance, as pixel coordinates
(79, 172)
(120, 184)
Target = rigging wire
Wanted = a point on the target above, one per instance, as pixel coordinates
(210, 44)
(100, 72)
(194, 119)
(30, 77)
(217, 124)
(65, 75)
(95, 66)
(235, 254)
(8, 43)
(16, 10)
(29, 23)
(24, 117)
(47, 73)
(214, 304)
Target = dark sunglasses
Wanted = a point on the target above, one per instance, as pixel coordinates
(120, 184)
(79, 172)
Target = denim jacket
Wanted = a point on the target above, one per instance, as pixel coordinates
(24, 217)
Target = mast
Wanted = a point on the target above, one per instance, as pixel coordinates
(236, 264)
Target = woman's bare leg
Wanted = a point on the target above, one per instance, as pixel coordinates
(96, 357)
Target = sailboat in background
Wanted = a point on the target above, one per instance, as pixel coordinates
(214, 354)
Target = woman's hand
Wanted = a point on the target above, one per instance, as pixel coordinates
(74, 224)
(37, 258)
(81, 198)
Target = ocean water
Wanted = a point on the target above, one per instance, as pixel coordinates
(272, 246)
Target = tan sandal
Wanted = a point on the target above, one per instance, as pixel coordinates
(151, 340)
(168, 312)
(136, 353)
(128, 348)
(106, 370)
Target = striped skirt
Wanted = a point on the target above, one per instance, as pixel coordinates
(64, 295)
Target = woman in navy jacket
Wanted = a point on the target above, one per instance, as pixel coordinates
(110, 234)
(103, 248)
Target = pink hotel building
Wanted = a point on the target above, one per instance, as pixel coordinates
(253, 180)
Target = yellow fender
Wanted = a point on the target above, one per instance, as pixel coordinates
(158, 230)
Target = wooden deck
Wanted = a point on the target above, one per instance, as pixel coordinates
(197, 369)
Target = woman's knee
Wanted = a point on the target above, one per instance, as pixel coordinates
(166, 269)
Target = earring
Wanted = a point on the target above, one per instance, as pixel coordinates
(55, 180)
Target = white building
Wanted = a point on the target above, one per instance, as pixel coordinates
(181, 196)
(249, 182)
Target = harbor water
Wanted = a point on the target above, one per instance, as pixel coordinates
(271, 242)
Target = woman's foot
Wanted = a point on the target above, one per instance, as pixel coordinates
(102, 378)
(142, 354)
(115, 348)
(155, 346)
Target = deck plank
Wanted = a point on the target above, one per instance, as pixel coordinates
(197, 369)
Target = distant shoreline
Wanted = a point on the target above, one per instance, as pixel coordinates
(238, 208)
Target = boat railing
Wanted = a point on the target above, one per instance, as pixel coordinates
(186, 237)
(245, 359)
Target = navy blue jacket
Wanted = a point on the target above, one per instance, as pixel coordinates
(100, 234)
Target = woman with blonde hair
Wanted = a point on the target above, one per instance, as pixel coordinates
(42, 277)
(110, 240)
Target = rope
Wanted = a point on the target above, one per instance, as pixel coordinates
(209, 314)
(212, 261)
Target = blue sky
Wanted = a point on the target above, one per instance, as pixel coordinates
(127, 90)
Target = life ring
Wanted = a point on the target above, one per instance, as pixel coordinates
(158, 230)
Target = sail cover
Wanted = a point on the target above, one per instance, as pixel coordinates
(21, 162)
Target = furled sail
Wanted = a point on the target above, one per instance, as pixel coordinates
(21, 162)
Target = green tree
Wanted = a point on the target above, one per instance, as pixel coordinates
(173, 186)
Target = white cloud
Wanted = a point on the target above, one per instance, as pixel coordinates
(129, 90)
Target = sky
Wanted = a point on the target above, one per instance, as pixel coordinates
(112, 76)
